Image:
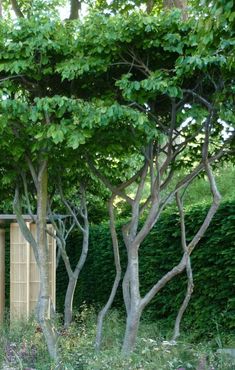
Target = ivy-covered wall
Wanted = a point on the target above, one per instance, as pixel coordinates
(212, 306)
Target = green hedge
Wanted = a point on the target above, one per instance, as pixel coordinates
(213, 262)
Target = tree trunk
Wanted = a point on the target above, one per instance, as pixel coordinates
(44, 304)
(134, 313)
(126, 290)
(117, 279)
(16, 8)
(68, 303)
(68, 306)
(181, 4)
(0, 9)
(132, 326)
(75, 7)
(186, 300)
(149, 6)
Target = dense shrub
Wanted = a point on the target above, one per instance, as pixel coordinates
(212, 305)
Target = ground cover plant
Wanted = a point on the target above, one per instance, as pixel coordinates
(23, 347)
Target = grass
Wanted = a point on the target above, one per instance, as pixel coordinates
(22, 347)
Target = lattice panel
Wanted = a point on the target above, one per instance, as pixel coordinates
(24, 275)
(2, 273)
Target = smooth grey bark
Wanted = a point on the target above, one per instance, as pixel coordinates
(134, 303)
(61, 237)
(126, 290)
(68, 303)
(16, 8)
(159, 161)
(44, 304)
(40, 249)
(181, 4)
(117, 279)
(149, 6)
(73, 279)
(186, 300)
(187, 249)
(134, 312)
(75, 7)
(190, 284)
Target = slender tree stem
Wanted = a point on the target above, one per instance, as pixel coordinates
(117, 279)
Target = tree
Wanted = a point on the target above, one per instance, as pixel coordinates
(28, 125)
(156, 65)
(37, 124)
(77, 210)
(143, 95)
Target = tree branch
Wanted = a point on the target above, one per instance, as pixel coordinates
(26, 193)
(75, 7)
(66, 203)
(105, 309)
(16, 8)
(114, 190)
(23, 226)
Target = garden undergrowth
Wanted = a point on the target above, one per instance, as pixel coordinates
(22, 347)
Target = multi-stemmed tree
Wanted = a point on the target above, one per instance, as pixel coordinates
(136, 102)
(157, 66)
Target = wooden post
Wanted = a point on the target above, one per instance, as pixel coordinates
(2, 274)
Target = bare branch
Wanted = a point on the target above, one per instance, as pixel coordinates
(85, 231)
(163, 281)
(10, 77)
(200, 98)
(133, 225)
(114, 190)
(32, 170)
(212, 210)
(150, 5)
(69, 208)
(22, 224)
(186, 300)
(26, 193)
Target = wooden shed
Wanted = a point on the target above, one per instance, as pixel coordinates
(24, 274)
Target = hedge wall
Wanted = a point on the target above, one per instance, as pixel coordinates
(213, 262)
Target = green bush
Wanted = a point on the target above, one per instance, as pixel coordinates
(212, 307)
(22, 346)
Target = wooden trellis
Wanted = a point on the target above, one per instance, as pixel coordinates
(24, 274)
(2, 273)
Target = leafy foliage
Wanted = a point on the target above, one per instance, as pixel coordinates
(213, 268)
(22, 346)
